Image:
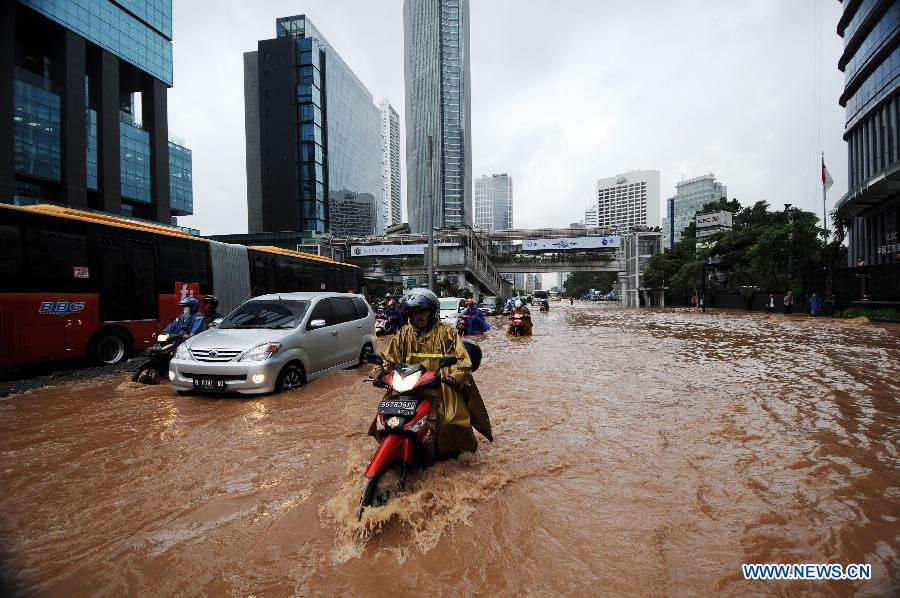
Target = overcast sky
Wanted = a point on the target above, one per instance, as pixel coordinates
(563, 93)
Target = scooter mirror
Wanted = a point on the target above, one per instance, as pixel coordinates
(446, 362)
(374, 358)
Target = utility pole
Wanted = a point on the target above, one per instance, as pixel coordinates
(429, 256)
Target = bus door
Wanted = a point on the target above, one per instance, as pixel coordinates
(263, 279)
(127, 280)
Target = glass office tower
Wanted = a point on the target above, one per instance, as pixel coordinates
(438, 101)
(690, 197)
(871, 65)
(85, 83)
(493, 202)
(314, 143)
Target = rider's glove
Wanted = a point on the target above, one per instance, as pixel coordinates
(450, 381)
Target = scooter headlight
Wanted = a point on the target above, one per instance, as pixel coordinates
(403, 384)
(182, 352)
(162, 338)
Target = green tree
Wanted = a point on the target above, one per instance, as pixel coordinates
(580, 283)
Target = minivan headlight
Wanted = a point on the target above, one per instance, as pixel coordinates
(182, 352)
(261, 352)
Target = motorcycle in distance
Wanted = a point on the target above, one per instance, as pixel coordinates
(156, 367)
(462, 324)
(405, 441)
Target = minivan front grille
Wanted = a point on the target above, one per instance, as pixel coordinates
(215, 355)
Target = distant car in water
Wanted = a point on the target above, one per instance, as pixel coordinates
(451, 306)
(489, 306)
(276, 342)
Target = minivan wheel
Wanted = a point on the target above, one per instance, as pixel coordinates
(292, 376)
(366, 350)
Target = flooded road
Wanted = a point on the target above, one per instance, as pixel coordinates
(635, 453)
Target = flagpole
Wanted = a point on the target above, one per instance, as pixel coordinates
(824, 206)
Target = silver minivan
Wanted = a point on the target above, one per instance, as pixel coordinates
(276, 342)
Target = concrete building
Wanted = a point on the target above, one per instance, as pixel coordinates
(438, 101)
(390, 132)
(590, 216)
(83, 87)
(871, 66)
(313, 135)
(690, 197)
(627, 200)
(494, 202)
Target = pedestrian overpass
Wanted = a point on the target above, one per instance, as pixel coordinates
(476, 258)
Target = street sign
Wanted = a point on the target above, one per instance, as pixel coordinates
(411, 282)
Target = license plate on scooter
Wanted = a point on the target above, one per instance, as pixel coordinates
(397, 407)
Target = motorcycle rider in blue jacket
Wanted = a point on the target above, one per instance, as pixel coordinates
(190, 322)
(476, 323)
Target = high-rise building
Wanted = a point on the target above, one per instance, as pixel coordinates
(871, 66)
(438, 100)
(390, 131)
(493, 202)
(690, 197)
(590, 216)
(317, 134)
(83, 84)
(628, 200)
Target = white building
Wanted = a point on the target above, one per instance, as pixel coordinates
(627, 200)
(390, 130)
(590, 216)
(493, 202)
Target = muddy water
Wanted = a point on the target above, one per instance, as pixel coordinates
(636, 453)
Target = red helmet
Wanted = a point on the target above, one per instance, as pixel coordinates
(470, 302)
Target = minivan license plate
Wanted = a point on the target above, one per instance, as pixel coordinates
(395, 407)
(209, 383)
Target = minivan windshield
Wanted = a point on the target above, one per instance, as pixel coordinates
(450, 303)
(266, 314)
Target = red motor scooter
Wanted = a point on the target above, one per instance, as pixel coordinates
(401, 426)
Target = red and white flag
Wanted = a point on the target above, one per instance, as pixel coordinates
(826, 176)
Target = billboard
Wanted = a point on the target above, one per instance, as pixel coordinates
(716, 219)
(408, 249)
(572, 243)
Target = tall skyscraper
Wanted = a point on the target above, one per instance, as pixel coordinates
(438, 100)
(83, 92)
(627, 200)
(390, 131)
(493, 202)
(317, 134)
(690, 197)
(871, 66)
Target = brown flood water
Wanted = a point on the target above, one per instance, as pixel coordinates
(635, 453)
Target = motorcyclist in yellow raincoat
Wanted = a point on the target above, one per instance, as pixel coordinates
(521, 312)
(456, 406)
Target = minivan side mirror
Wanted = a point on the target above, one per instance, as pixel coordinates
(316, 324)
(446, 362)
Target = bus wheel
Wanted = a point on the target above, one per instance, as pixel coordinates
(109, 348)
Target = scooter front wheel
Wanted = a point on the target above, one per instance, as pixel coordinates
(381, 487)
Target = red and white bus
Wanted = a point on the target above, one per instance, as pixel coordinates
(83, 284)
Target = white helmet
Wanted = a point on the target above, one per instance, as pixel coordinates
(518, 303)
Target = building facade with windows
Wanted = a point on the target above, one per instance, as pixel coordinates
(628, 200)
(84, 86)
(314, 142)
(493, 202)
(871, 66)
(690, 197)
(590, 216)
(390, 132)
(438, 105)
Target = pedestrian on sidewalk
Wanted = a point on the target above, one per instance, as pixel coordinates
(770, 306)
(789, 303)
(815, 304)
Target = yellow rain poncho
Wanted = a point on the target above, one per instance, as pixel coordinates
(453, 413)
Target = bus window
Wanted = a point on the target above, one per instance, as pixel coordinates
(262, 276)
(53, 258)
(183, 261)
(335, 281)
(10, 256)
(145, 300)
